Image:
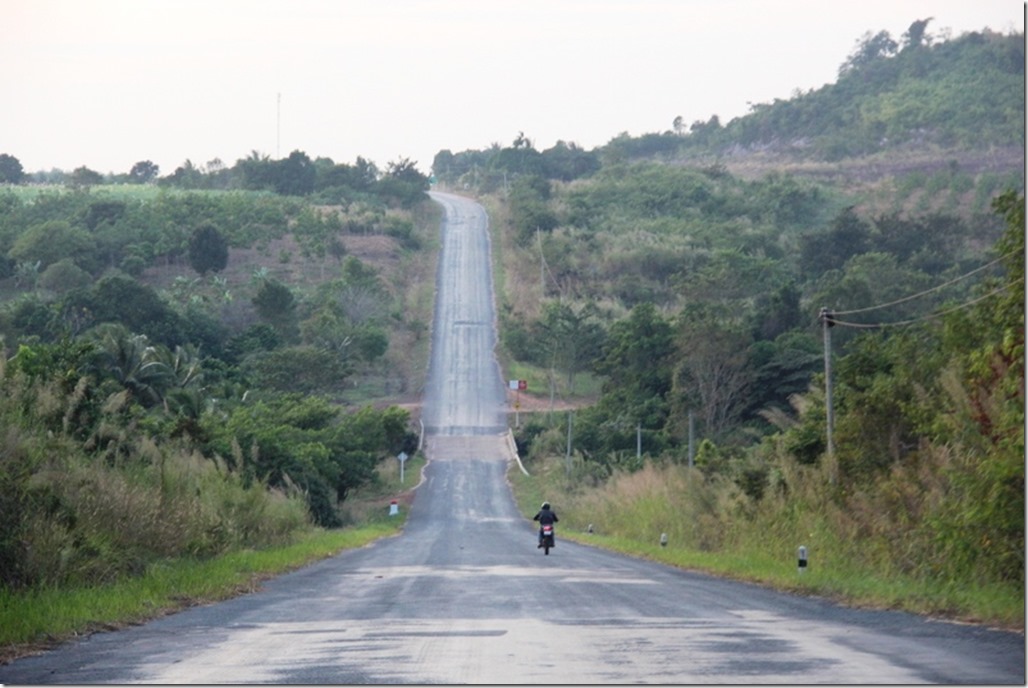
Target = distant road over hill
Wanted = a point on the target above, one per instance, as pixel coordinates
(464, 595)
(465, 393)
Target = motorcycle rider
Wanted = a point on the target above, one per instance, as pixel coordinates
(546, 516)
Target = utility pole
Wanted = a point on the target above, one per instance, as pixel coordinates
(638, 440)
(278, 129)
(542, 263)
(827, 323)
(692, 452)
(567, 456)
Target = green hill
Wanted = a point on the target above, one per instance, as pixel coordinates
(962, 94)
(672, 290)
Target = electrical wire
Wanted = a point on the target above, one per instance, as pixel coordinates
(930, 316)
(926, 292)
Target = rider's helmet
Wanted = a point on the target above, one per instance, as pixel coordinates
(546, 506)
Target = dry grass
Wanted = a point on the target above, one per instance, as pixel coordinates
(863, 549)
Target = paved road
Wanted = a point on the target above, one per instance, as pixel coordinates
(465, 393)
(464, 596)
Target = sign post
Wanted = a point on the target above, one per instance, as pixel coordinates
(517, 386)
(402, 456)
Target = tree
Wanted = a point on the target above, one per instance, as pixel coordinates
(83, 176)
(64, 276)
(366, 174)
(870, 48)
(208, 250)
(777, 312)
(295, 175)
(703, 131)
(186, 176)
(520, 158)
(783, 367)
(637, 360)
(11, 171)
(992, 481)
(572, 338)
(52, 241)
(403, 184)
(567, 161)
(257, 172)
(131, 361)
(104, 212)
(848, 236)
(143, 172)
(996, 365)
(916, 35)
(304, 440)
(713, 369)
(303, 369)
(529, 211)
(405, 170)
(276, 305)
(443, 165)
(359, 293)
(118, 298)
(876, 278)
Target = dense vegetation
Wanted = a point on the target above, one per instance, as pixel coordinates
(159, 399)
(915, 92)
(690, 299)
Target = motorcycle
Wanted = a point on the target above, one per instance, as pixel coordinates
(547, 541)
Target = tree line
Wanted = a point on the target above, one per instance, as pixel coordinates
(322, 180)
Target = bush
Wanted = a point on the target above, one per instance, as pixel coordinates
(88, 522)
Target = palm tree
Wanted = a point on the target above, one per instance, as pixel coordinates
(135, 364)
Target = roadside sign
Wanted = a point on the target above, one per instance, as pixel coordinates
(402, 456)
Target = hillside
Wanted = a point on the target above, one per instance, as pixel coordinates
(679, 289)
(913, 106)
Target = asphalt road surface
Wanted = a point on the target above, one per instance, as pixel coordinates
(464, 596)
(465, 395)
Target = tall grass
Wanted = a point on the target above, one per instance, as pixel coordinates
(89, 521)
(91, 545)
(43, 615)
(856, 555)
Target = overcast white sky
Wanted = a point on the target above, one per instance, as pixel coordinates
(107, 83)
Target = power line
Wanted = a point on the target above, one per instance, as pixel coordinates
(923, 318)
(926, 292)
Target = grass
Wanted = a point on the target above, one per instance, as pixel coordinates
(988, 604)
(37, 619)
(776, 567)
